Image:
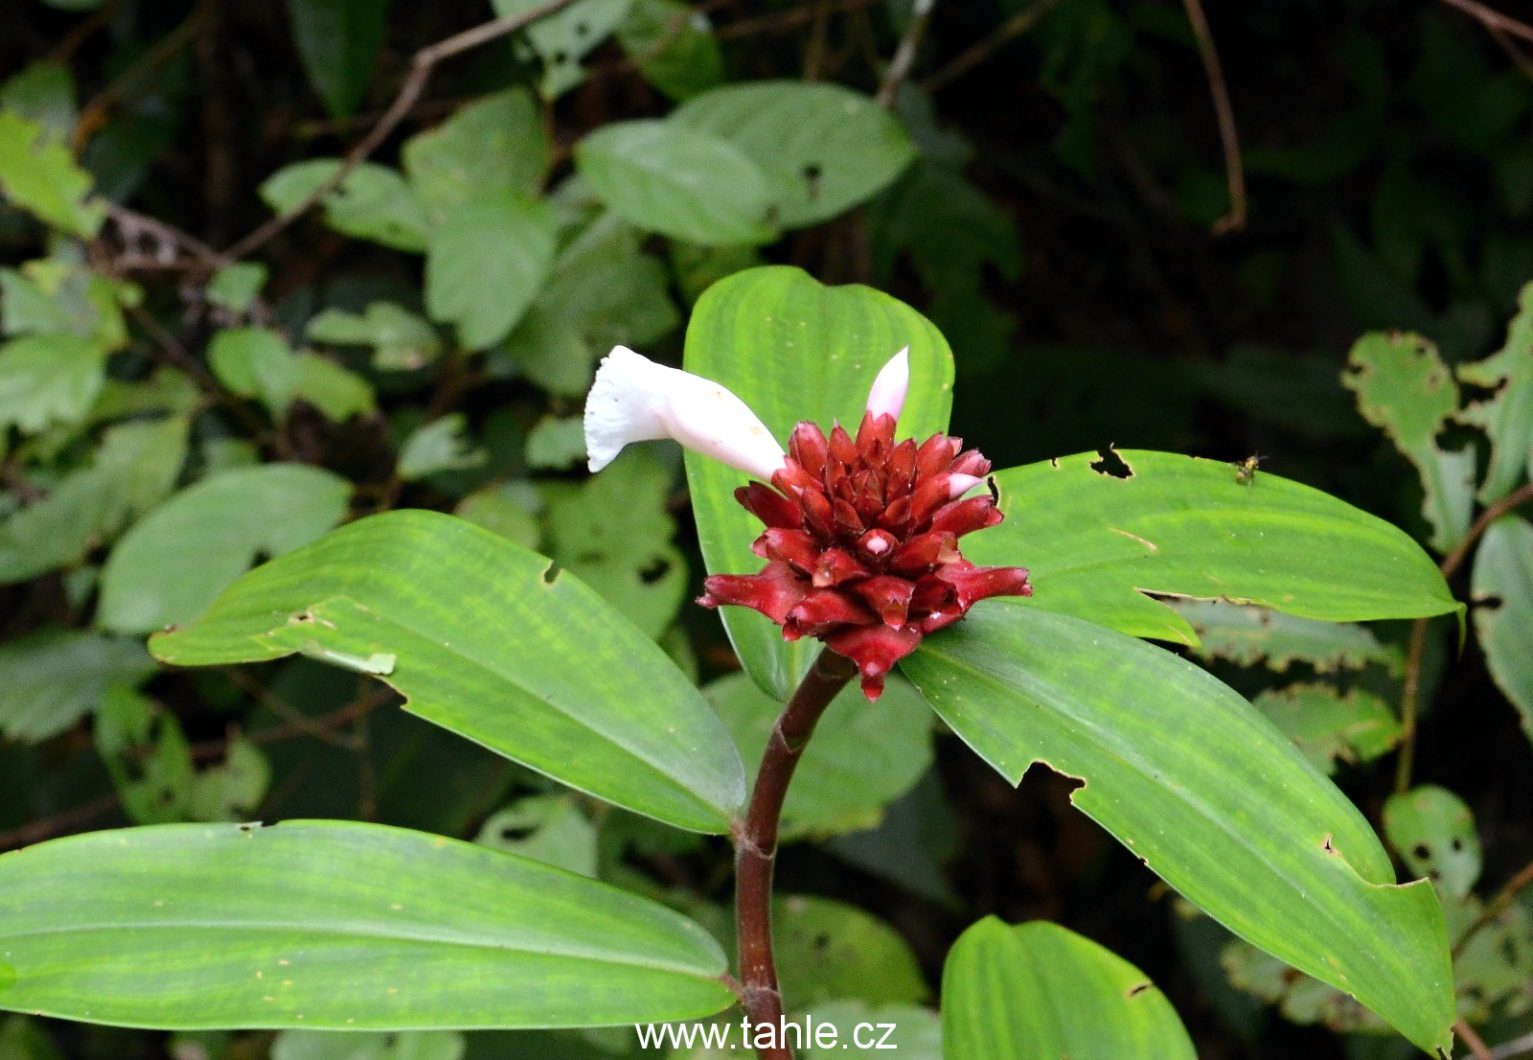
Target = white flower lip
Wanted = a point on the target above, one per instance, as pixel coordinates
(887, 396)
(636, 400)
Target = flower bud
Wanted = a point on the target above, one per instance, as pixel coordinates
(887, 397)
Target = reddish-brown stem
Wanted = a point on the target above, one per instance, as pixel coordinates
(1495, 907)
(756, 840)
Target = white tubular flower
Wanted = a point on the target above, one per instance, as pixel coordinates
(960, 484)
(636, 400)
(887, 397)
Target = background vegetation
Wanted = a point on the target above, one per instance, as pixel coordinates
(213, 352)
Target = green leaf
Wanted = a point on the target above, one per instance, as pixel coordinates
(136, 466)
(495, 143)
(1502, 588)
(793, 350)
(1328, 725)
(231, 790)
(498, 512)
(556, 443)
(339, 41)
(168, 568)
(1203, 789)
(486, 264)
(38, 175)
(829, 951)
(401, 341)
(861, 758)
(546, 828)
(678, 181)
(332, 925)
(48, 379)
(1251, 636)
(673, 45)
(1184, 526)
(146, 755)
(1506, 416)
(629, 561)
(63, 296)
(563, 38)
(373, 202)
(441, 445)
(865, 1030)
(1015, 992)
(235, 287)
(341, 1045)
(1433, 829)
(825, 148)
(493, 644)
(43, 92)
(603, 292)
(257, 363)
(55, 677)
(1403, 388)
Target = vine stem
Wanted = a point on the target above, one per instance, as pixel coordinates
(1449, 566)
(756, 840)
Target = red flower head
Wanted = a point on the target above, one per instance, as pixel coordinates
(861, 538)
(861, 543)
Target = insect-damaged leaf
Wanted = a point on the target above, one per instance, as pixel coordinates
(1502, 585)
(1403, 387)
(794, 349)
(1037, 989)
(1506, 416)
(487, 640)
(1096, 543)
(1198, 784)
(334, 925)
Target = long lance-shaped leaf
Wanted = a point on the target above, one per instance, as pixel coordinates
(1182, 526)
(794, 349)
(1037, 989)
(485, 638)
(331, 924)
(1206, 791)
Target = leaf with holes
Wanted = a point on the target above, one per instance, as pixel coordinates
(632, 562)
(679, 182)
(1200, 786)
(1502, 587)
(484, 638)
(334, 925)
(1506, 415)
(1097, 541)
(1014, 992)
(1433, 829)
(1260, 636)
(825, 148)
(673, 45)
(1403, 388)
(1329, 725)
(564, 37)
(794, 349)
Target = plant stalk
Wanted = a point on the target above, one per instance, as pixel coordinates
(756, 841)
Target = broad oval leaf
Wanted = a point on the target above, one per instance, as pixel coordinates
(487, 261)
(485, 638)
(794, 349)
(334, 925)
(1037, 989)
(1184, 526)
(824, 147)
(175, 560)
(1206, 791)
(679, 182)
